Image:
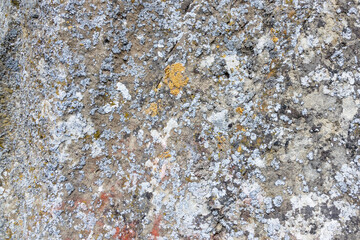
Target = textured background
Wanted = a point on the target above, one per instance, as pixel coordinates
(231, 119)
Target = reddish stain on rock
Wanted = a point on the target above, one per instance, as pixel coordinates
(127, 233)
(116, 235)
(104, 196)
(156, 228)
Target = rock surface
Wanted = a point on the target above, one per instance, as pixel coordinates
(221, 119)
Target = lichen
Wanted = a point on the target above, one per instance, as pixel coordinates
(175, 78)
(99, 118)
(153, 109)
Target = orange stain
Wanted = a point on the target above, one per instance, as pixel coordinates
(104, 196)
(127, 233)
(156, 227)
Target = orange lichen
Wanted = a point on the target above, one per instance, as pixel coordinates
(165, 155)
(174, 78)
(239, 110)
(239, 149)
(221, 140)
(275, 39)
(153, 109)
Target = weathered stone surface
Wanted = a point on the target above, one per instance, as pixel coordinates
(179, 119)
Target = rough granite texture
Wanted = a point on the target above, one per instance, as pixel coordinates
(220, 119)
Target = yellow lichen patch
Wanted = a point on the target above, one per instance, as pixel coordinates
(165, 155)
(239, 110)
(275, 39)
(174, 78)
(239, 149)
(152, 110)
(221, 140)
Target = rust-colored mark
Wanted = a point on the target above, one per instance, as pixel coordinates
(126, 233)
(156, 228)
(104, 196)
(117, 233)
(174, 78)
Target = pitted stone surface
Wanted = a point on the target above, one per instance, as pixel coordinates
(221, 119)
